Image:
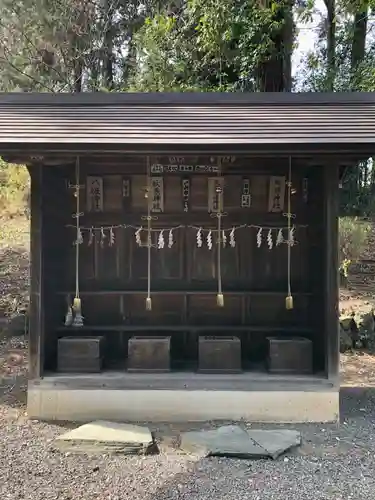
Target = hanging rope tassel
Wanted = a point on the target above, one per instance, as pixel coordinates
(149, 242)
(220, 296)
(77, 306)
(289, 297)
(219, 192)
(148, 299)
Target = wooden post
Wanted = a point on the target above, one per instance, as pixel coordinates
(331, 274)
(36, 321)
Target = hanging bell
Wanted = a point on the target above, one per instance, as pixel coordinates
(289, 303)
(220, 300)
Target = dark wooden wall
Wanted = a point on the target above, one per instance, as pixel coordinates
(113, 279)
(49, 202)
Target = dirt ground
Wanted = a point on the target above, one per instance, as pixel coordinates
(357, 368)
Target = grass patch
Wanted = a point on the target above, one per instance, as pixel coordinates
(14, 189)
(14, 238)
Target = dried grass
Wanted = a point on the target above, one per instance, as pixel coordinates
(14, 264)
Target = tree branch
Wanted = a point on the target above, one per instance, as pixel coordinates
(18, 70)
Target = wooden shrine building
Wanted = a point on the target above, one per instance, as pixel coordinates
(184, 251)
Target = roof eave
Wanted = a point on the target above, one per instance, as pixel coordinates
(186, 98)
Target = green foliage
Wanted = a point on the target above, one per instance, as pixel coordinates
(14, 189)
(207, 46)
(352, 69)
(358, 188)
(200, 45)
(364, 77)
(353, 238)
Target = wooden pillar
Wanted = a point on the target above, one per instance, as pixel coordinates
(331, 274)
(36, 320)
(56, 213)
(315, 258)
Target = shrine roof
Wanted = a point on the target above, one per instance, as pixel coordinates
(232, 119)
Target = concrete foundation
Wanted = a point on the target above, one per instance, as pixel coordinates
(181, 397)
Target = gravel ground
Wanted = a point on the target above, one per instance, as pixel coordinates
(333, 463)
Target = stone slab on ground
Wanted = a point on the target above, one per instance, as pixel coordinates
(233, 441)
(107, 437)
(276, 441)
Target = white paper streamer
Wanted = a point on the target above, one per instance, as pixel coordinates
(111, 237)
(280, 237)
(259, 238)
(224, 239)
(138, 237)
(170, 239)
(79, 240)
(232, 240)
(161, 241)
(199, 238)
(102, 237)
(209, 240)
(91, 237)
(269, 240)
(292, 240)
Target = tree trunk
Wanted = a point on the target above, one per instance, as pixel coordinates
(78, 70)
(108, 45)
(288, 39)
(275, 73)
(359, 39)
(130, 63)
(331, 43)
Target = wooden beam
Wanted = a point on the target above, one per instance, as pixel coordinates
(185, 291)
(236, 217)
(36, 333)
(230, 329)
(331, 275)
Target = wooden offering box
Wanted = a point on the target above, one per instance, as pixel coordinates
(80, 354)
(290, 355)
(219, 354)
(149, 354)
